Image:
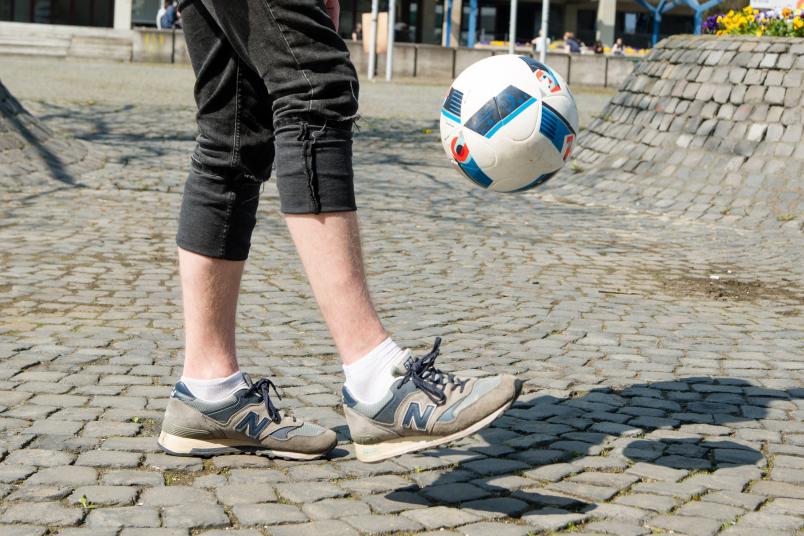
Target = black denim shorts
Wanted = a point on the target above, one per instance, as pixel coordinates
(274, 83)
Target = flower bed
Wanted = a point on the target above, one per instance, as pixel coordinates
(749, 21)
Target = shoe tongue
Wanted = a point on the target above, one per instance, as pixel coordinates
(399, 366)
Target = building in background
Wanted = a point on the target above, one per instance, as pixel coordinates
(73, 12)
(418, 21)
(99, 13)
(422, 21)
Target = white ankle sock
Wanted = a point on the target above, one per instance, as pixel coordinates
(370, 378)
(216, 389)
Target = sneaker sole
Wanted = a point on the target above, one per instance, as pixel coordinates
(405, 445)
(185, 446)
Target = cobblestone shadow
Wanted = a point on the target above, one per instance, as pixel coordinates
(679, 433)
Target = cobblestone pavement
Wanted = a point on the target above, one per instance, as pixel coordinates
(662, 356)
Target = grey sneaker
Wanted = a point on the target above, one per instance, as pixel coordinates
(425, 408)
(245, 422)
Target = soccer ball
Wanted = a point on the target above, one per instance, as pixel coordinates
(509, 123)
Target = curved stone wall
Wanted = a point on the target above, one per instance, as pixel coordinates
(31, 154)
(705, 127)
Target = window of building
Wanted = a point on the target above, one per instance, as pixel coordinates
(73, 12)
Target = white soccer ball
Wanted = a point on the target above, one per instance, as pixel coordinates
(509, 123)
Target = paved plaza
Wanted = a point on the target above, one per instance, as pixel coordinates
(662, 355)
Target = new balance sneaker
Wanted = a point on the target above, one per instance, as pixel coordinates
(425, 408)
(246, 422)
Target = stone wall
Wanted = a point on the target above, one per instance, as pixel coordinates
(438, 64)
(706, 127)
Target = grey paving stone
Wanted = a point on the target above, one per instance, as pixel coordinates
(175, 495)
(133, 478)
(68, 475)
(112, 459)
(454, 493)
(495, 507)
(245, 494)
(157, 532)
(335, 509)
(256, 476)
(438, 517)
(324, 528)
(166, 462)
(12, 473)
(498, 529)
(778, 489)
(552, 519)
(616, 527)
(232, 532)
(495, 466)
(694, 526)
(743, 500)
(656, 503)
(720, 512)
(394, 502)
(656, 472)
(22, 530)
(552, 473)
(250, 515)
(584, 491)
(376, 484)
(40, 493)
(49, 513)
(304, 492)
(55, 427)
(381, 524)
(39, 458)
(87, 532)
(104, 495)
(769, 521)
(195, 516)
(784, 506)
(124, 516)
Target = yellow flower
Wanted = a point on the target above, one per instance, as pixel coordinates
(798, 23)
(787, 13)
(748, 10)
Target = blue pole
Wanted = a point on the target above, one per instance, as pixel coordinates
(657, 20)
(447, 41)
(698, 21)
(470, 40)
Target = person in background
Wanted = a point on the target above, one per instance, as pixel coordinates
(618, 49)
(571, 45)
(598, 48)
(160, 14)
(357, 34)
(170, 19)
(537, 42)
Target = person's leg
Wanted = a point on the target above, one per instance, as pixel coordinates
(209, 293)
(214, 408)
(305, 67)
(234, 152)
(329, 247)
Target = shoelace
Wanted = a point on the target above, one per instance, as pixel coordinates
(263, 389)
(422, 372)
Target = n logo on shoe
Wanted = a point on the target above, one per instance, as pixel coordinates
(415, 417)
(252, 425)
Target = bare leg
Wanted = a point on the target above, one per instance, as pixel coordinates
(209, 289)
(329, 247)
